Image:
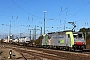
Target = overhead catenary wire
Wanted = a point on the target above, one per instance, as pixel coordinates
(42, 17)
(75, 9)
(33, 15)
(68, 11)
(20, 7)
(83, 6)
(25, 10)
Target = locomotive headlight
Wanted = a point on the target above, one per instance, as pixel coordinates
(83, 43)
(74, 42)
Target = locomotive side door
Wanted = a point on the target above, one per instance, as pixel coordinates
(71, 39)
(68, 40)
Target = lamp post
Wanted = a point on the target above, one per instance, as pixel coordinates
(40, 30)
(44, 20)
(30, 34)
(9, 30)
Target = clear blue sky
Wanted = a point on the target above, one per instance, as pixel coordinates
(30, 12)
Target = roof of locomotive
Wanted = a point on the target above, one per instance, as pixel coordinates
(63, 32)
(77, 32)
(60, 32)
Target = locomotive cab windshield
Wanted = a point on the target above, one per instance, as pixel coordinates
(78, 35)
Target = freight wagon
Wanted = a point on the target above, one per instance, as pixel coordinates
(66, 40)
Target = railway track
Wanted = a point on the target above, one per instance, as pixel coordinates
(39, 54)
(49, 54)
(34, 53)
